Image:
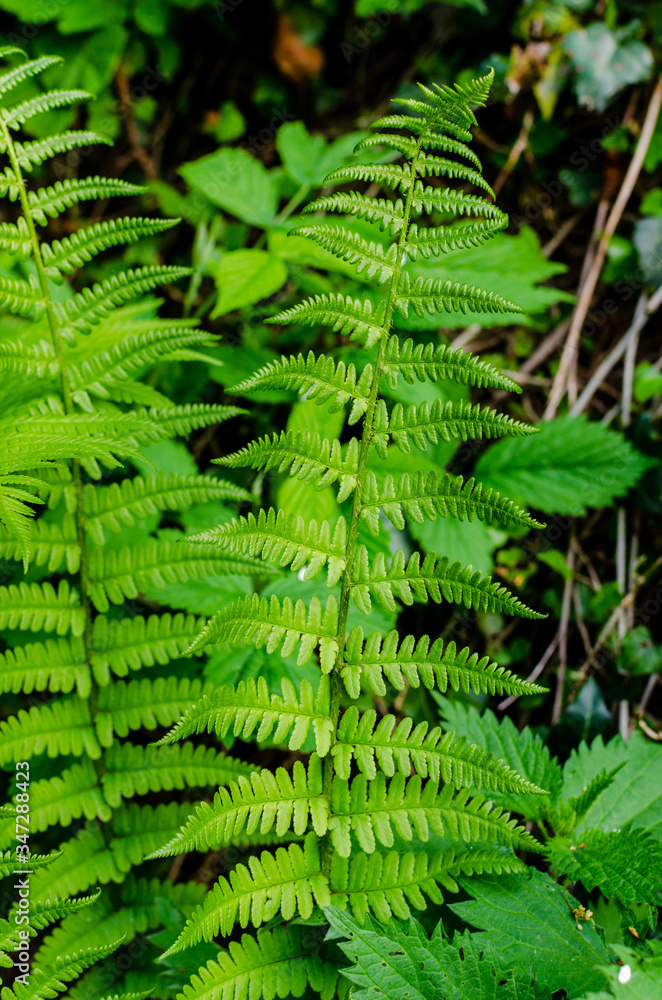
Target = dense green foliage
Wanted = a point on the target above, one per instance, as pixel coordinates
(326, 627)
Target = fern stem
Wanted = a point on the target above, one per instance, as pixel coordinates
(355, 516)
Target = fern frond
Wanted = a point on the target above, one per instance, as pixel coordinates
(248, 706)
(389, 884)
(31, 154)
(277, 962)
(446, 201)
(25, 71)
(45, 912)
(431, 753)
(373, 811)
(121, 504)
(264, 802)
(66, 797)
(58, 728)
(258, 621)
(388, 214)
(365, 255)
(343, 314)
(89, 860)
(321, 379)
(422, 498)
(39, 607)
(284, 539)
(438, 362)
(144, 704)
(48, 202)
(23, 298)
(190, 416)
(49, 544)
(21, 113)
(378, 173)
(412, 662)
(16, 239)
(9, 863)
(54, 665)
(440, 240)
(434, 579)
(48, 981)
(428, 422)
(438, 295)
(73, 251)
(134, 351)
(438, 166)
(307, 456)
(118, 574)
(133, 643)
(136, 770)
(17, 512)
(408, 146)
(35, 360)
(90, 305)
(288, 882)
(136, 913)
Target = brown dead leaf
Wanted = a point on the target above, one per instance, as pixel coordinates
(295, 59)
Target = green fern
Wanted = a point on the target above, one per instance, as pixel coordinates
(74, 407)
(380, 817)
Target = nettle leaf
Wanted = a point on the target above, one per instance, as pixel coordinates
(309, 158)
(399, 962)
(243, 277)
(634, 798)
(234, 180)
(571, 465)
(625, 863)
(529, 922)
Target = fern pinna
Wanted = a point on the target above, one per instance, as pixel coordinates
(380, 815)
(71, 407)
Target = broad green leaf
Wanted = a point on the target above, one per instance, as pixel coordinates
(399, 962)
(569, 466)
(606, 61)
(634, 798)
(243, 277)
(472, 542)
(530, 924)
(237, 182)
(309, 158)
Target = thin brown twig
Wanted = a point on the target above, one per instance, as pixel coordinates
(138, 151)
(518, 148)
(583, 631)
(564, 230)
(564, 380)
(535, 673)
(644, 309)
